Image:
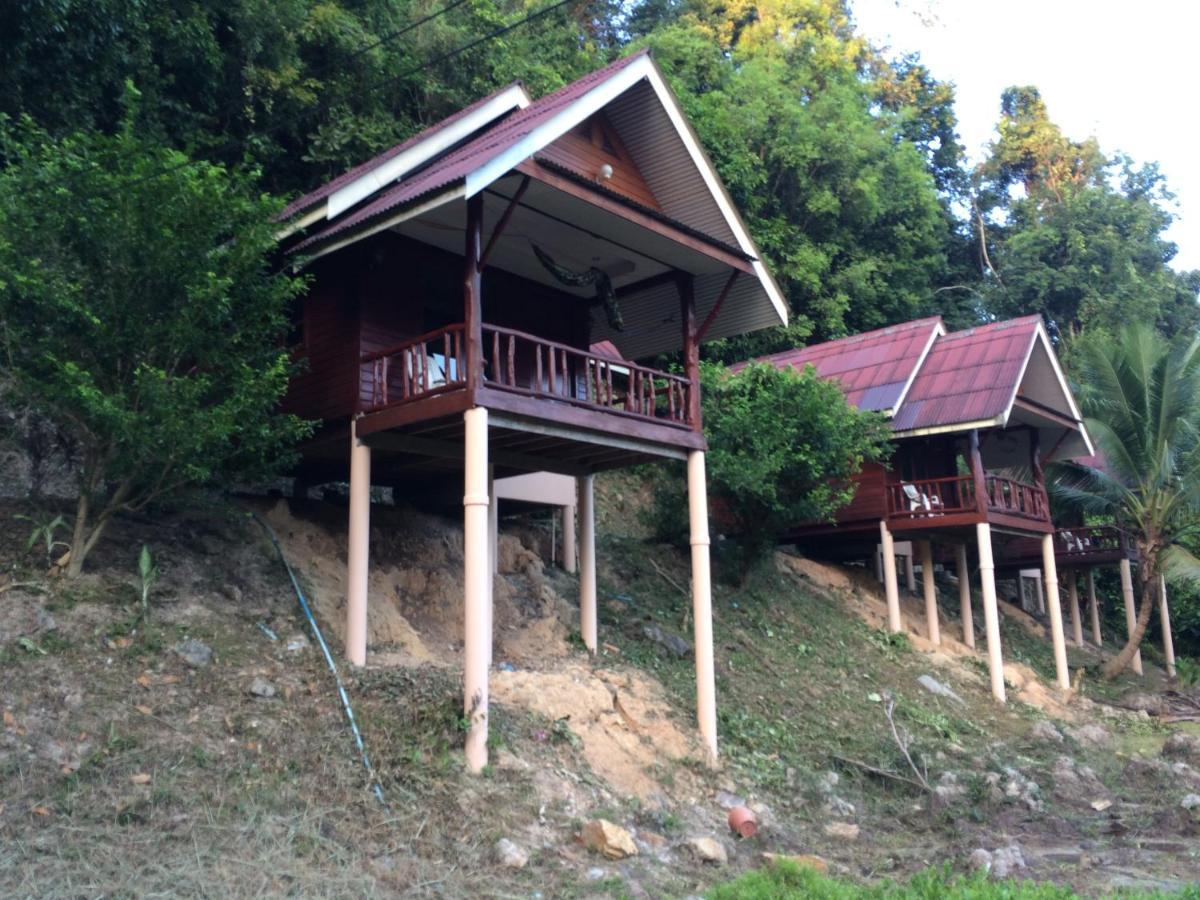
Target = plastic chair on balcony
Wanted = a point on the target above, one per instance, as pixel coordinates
(918, 500)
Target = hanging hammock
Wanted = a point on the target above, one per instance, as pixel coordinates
(605, 294)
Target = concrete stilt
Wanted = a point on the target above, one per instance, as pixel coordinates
(1050, 567)
(964, 596)
(1094, 609)
(587, 562)
(1130, 612)
(1164, 615)
(932, 628)
(568, 539)
(357, 553)
(991, 610)
(706, 689)
(1073, 602)
(477, 575)
(890, 584)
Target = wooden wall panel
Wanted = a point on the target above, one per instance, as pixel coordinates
(585, 149)
(870, 500)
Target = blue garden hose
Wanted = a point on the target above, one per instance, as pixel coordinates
(312, 623)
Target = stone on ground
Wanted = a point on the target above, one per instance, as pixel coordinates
(262, 688)
(843, 831)
(510, 855)
(608, 839)
(1045, 731)
(196, 654)
(708, 849)
(1092, 736)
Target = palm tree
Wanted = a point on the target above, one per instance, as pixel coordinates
(1140, 395)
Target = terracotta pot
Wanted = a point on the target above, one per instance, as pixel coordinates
(742, 821)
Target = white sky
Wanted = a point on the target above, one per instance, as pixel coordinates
(1124, 72)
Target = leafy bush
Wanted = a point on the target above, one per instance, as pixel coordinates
(784, 447)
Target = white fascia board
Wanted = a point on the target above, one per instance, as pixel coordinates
(455, 193)
(1066, 387)
(998, 421)
(389, 171)
(938, 331)
(1012, 398)
(313, 215)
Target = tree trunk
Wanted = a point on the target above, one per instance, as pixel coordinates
(1148, 576)
(79, 536)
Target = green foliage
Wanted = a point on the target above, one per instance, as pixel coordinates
(147, 576)
(784, 447)
(43, 532)
(836, 187)
(1073, 235)
(785, 880)
(1140, 395)
(141, 316)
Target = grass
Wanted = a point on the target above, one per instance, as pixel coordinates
(787, 881)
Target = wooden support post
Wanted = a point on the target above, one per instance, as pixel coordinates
(691, 346)
(1094, 609)
(1130, 612)
(587, 562)
(1050, 567)
(477, 576)
(932, 628)
(891, 588)
(702, 634)
(473, 295)
(1165, 621)
(358, 550)
(991, 610)
(1073, 602)
(567, 515)
(964, 596)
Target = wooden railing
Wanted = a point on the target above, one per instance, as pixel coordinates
(1088, 540)
(419, 367)
(525, 364)
(1017, 498)
(931, 497)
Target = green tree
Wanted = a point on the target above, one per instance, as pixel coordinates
(1141, 400)
(839, 196)
(140, 314)
(1076, 237)
(784, 447)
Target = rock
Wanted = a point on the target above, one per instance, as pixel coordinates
(295, 643)
(671, 642)
(1145, 770)
(596, 874)
(947, 791)
(262, 688)
(1152, 704)
(652, 841)
(1073, 782)
(73, 699)
(45, 621)
(980, 860)
(1045, 731)
(1017, 788)
(803, 860)
(843, 831)
(196, 654)
(232, 592)
(1092, 736)
(510, 855)
(1007, 861)
(827, 781)
(934, 686)
(1190, 801)
(1182, 746)
(836, 806)
(708, 850)
(727, 800)
(611, 840)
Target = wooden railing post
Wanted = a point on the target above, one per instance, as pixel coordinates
(977, 473)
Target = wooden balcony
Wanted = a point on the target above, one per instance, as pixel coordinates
(1080, 547)
(953, 501)
(530, 384)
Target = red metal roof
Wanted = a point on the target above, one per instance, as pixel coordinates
(872, 368)
(455, 166)
(314, 197)
(969, 376)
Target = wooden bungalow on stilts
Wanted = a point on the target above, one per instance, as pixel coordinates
(459, 280)
(975, 414)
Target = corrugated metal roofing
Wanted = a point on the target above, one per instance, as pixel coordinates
(872, 368)
(312, 198)
(969, 376)
(455, 166)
